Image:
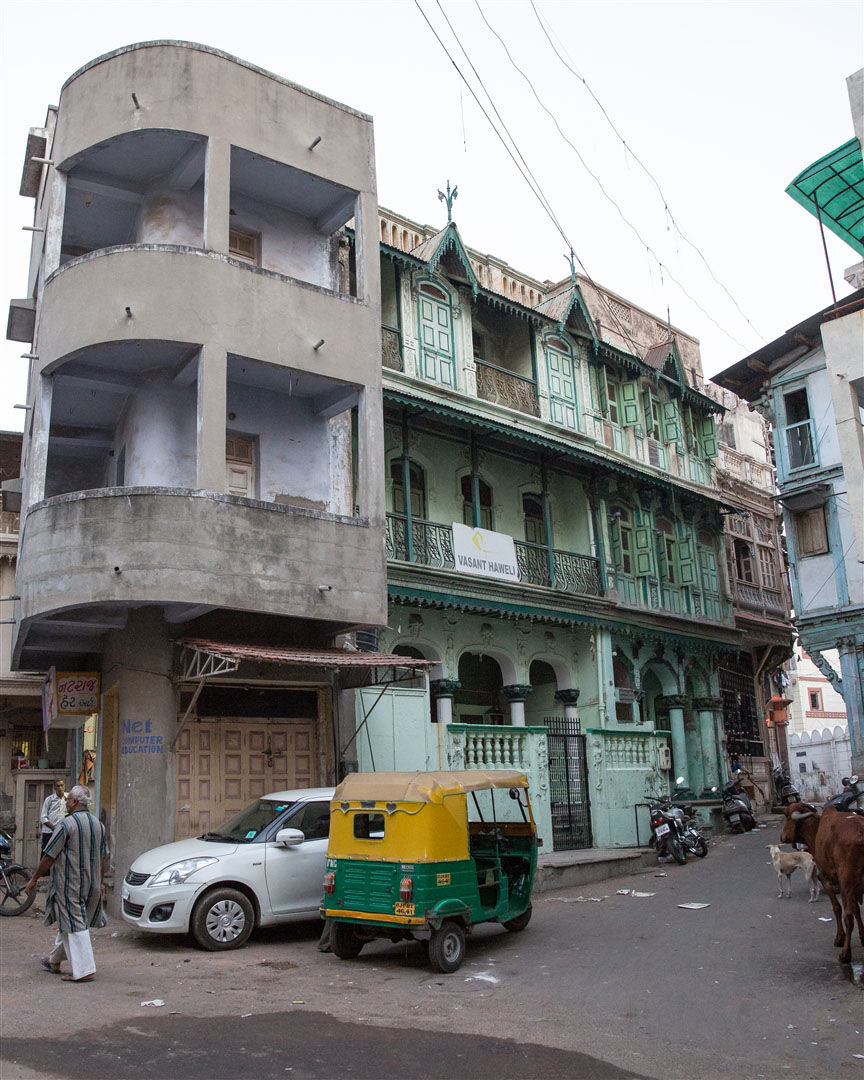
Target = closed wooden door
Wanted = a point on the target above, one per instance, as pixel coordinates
(222, 765)
(437, 360)
(240, 466)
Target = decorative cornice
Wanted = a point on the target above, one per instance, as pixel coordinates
(706, 704)
(516, 692)
(672, 701)
(444, 687)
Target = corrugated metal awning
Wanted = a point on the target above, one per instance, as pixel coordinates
(326, 658)
(832, 189)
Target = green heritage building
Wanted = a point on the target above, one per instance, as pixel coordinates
(556, 544)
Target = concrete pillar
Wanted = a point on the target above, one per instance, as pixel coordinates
(212, 417)
(443, 690)
(675, 703)
(37, 448)
(217, 194)
(852, 672)
(137, 660)
(516, 695)
(705, 710)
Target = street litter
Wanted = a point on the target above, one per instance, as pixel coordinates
(298, 1002)
(694, 907)
(157, 1003)
(244, 1015)
(483, 976)
(661, 874)
(824, 918)
(632, 892)
(578, 899)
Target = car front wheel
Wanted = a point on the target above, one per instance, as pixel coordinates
(223, 919)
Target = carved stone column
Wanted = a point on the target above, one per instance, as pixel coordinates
(707, 709)
(675, 704)
(443, 690)
(516, 695)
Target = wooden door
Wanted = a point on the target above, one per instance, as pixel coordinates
(222, 765)
(562, 387)
(240, 466)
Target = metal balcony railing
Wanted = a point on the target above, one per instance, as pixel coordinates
(432, 545)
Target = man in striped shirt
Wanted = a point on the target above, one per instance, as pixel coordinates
(76, 857)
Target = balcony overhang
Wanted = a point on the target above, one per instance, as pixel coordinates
(832, 189)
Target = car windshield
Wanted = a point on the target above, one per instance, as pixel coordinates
(246, 826)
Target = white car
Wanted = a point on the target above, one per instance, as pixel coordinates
(264, 866)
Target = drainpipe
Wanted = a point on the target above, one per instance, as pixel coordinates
(475, 482)
(547, 520)
(406, 490)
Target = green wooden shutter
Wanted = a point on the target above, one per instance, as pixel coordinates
(684, 551)
(628, 398)
(708, 566)
(642, 535)
(615, 535)
(708, 436)
(602, 390)
(671, 422)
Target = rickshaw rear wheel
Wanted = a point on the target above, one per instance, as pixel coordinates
(344, 941)
(519, 922)
(447, 947)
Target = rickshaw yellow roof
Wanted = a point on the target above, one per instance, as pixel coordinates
(423, 787)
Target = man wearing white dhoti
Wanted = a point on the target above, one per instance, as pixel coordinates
(76, 857)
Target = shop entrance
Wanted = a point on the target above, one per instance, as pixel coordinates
(224, 764)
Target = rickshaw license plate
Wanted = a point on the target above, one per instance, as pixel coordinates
(404, 909)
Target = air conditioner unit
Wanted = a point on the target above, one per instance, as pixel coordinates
(664, 757)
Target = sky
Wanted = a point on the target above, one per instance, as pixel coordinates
(659, 137)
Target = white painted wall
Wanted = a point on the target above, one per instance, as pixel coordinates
(827, 758)
(803, 675)
(171, 216)
(290, 244)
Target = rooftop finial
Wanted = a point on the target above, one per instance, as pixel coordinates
(572, 261)
(448, 198)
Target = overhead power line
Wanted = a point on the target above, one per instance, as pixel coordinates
(523, 170)
(663, 266)
(644, 167)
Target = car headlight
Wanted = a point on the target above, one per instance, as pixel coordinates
(178, 872)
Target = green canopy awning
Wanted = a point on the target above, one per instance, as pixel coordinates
(833, 188)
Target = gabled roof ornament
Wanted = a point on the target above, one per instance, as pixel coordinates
(449, 199)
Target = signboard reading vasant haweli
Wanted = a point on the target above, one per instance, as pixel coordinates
(488, 554)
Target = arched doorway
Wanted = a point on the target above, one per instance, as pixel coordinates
(478, 701)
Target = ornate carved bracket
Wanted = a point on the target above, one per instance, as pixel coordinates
(826, 669)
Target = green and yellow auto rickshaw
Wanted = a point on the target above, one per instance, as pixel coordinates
(428, 855)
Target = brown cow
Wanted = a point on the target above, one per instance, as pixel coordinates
(836, 841)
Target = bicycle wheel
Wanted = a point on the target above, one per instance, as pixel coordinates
(13, 898)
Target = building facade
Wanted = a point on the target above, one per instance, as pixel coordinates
(562, 426)
(201, 464)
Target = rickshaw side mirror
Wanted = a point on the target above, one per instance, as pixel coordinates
(289, 837)
(514, 793)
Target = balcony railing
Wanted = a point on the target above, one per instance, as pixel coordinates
(506, 388)
(432, 545)
(391, 348)
(758, 598)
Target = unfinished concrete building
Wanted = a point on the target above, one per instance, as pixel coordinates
(202, 455)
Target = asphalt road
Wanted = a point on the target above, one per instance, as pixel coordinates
(626, 986)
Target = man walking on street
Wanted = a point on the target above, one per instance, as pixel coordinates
(53, 811)
(76, 857)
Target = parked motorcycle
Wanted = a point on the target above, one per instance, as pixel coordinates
(737, 808)
(785, 792)
(848, 798)
(666, 831)
(13, 877)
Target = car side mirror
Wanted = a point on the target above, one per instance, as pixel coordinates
(290, 837)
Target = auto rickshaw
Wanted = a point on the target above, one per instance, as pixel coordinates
(428, 856)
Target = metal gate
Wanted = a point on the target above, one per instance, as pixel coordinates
(568, 784)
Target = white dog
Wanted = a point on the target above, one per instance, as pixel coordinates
(787, 862)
